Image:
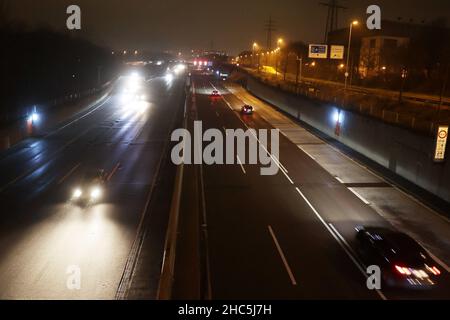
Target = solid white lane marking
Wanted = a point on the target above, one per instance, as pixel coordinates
(240, 162)
(283, 257)
(307, 153)
(359, 196)
(336, 237)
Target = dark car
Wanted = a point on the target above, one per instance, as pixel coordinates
(89, 188)
(247, 109)
(403, 262)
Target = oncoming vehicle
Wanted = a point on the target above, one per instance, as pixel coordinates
(90, 187)
(247, 109)
(403, 262)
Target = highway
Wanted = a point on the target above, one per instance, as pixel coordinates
(287, 236)
(44, 237)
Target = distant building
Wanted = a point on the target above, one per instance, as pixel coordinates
(376, 52)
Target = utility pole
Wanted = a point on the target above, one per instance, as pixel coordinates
(333, 8)
(270, 28)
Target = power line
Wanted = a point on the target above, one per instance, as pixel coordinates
(270, 28)
(333, 8)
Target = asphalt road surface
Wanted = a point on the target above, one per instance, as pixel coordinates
(287, 236)
(47, 241)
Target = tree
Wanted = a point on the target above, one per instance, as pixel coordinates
(4, 12)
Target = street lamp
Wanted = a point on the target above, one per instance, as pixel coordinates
(354, 23)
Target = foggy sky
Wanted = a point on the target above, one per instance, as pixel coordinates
(229, 25)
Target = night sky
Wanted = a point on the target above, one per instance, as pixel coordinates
(231, 25)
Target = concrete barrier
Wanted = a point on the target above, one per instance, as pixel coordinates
(408, 154)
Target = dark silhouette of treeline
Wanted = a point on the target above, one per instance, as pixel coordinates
(38, 66)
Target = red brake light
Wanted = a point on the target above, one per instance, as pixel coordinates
(435, 271)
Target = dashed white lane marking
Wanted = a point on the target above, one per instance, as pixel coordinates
(277, 162)
(283, 257)
(307, 153)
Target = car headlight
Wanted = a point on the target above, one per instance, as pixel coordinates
(96, 193)
(77, 193)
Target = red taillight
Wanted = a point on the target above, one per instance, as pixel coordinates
(435, 271)
(403, 270)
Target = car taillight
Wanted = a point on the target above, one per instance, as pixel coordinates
(402, 270)
(434, 270)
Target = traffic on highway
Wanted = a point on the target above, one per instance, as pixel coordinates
(231, 165)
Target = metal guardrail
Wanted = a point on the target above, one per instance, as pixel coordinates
(170, 247)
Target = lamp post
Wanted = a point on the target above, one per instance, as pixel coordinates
(255, 48)
(286, 65)
(354, 23)
(279, 43)
(298, 76)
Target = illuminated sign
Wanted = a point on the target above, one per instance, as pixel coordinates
(337, 52)
(318, 51)
(441, 141)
